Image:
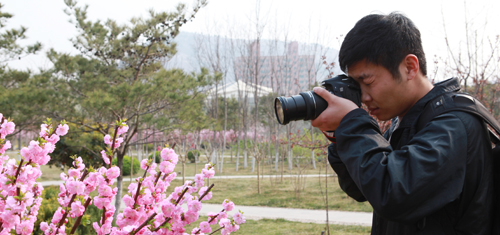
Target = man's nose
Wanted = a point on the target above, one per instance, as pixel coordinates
(365, 97)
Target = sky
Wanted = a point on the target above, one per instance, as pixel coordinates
(323, 21)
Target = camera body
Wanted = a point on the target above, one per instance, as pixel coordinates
(308, 105)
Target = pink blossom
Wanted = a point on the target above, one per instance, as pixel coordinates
(105, 190)
(118, 142)
(205, 227)
(107, 140)
(168, 209)
(208, 173)
(57, 215)
(122, 129)
(191, 216)
(166, 167)
(214, 216)
(5, 146)
(53, 139)
(224, 231)
(33, 152)
(232, 227)
(63, 176)
(44, 226)
(105, 157)
(113, 172)
(43, 130)
(169, 155)
(25, 228)
(62, 190)
(130, 215)
(202, 191)
(6, 129)
(77, 208)
(222, 215)
(9, 219)
(101, 202)
(132, 187)
(238, 218)
(198, 179)
(224, 222)
(101, 230)
(74, 173)
(146, 199)
(152, 168)
(129, 201)
(78, 163)
(75, 187)
(194, 205)
(144, 164)
(62, 129)
(228, 205)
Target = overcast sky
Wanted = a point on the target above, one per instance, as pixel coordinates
(301, 19)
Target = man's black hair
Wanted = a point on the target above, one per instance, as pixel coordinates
(383, 40)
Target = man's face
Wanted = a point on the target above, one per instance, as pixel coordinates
(385, 96)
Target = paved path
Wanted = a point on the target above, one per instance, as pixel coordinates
(300, 215)
(258, 212)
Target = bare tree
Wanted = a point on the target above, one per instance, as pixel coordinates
(475, 60)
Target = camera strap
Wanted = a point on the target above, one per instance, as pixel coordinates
(330, 135)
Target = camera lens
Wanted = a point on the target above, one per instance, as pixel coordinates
(305, 106)
(279, 110)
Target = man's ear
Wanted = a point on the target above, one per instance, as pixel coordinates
(411, 66)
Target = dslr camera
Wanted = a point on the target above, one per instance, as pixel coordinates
(308, 105)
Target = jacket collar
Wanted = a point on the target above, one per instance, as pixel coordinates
(449, 85)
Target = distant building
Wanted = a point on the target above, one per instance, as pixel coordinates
(243, 88)
(287, 73)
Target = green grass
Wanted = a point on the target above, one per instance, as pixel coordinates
(281, 226)
(276, 193)
(228, 169)
(291, 192)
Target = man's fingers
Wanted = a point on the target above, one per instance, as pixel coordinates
(329, 97)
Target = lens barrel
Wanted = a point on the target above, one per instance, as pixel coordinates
(305, 106)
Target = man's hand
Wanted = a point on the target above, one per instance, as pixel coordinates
(337, 108)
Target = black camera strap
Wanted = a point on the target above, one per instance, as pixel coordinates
(455, 101)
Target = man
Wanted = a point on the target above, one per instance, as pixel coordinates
(437, 180)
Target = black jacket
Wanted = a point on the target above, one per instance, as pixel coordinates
(434, 181)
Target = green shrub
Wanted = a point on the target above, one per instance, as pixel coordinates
(191, 155)
(126, 165)
(158, 156)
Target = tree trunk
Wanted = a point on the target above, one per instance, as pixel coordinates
(131, 165)
(258, 176)
(183, 171)
(119, 184)
(237, 152)
(253, 163)
(313, 159)
(326, 193)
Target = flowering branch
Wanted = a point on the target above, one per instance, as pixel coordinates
(79, 219)
(146, 199)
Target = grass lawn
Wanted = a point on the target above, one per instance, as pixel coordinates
(228, 168)
(291, 192)
(280, 226)
(276, 193)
